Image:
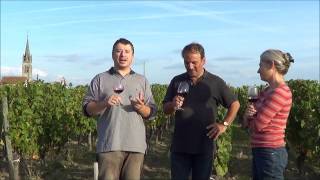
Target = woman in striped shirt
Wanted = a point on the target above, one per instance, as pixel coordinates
(267, 117)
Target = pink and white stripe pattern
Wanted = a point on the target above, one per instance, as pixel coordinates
(273, 108)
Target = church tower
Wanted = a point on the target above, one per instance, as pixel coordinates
(27, 63)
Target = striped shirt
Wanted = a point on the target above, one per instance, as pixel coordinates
(273, 108)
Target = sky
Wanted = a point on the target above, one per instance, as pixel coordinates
(73, 39)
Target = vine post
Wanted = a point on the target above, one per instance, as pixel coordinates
(13, 166)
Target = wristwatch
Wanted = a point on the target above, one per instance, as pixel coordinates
(225, 123)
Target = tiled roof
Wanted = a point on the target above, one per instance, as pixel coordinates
(12, 79)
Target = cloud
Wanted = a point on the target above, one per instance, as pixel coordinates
(307, 59)
(99, 61)
(11, 71)
(17, 71)
(190, 9)
(39, 72)
(67, 8)
(78, 81)
(172, 10)
(140, 61)
(233, 58)
(112, 19)
(79, 58)
(174, 66)
(176, 51)
(180, 66)
(66, 58)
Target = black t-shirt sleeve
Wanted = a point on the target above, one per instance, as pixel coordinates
(170, 92)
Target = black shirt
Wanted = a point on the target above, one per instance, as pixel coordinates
(200, 109)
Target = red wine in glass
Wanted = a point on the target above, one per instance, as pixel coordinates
(253, 94)
(118, 88)
(183, 90)
(118, 91)
(183, 94)
(252, 99)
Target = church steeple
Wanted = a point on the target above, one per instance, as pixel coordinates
(26, 62)
(27, 51)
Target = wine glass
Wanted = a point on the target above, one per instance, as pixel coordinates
(253, 93)
(183, 90)
(118, 88)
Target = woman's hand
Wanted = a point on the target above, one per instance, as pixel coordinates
(251, 111)
(248, 115)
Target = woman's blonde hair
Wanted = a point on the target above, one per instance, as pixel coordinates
(281, 59)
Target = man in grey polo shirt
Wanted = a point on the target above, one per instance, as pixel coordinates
(121, 132)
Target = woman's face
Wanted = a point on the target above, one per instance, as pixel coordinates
(266, 70)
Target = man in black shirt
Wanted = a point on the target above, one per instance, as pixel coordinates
(195, 124)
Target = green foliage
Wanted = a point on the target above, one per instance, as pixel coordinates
(224, 148)
(156, 127)
(159, 91)
(303, 127)
(242, 93)
(303, 130)
(43, 117)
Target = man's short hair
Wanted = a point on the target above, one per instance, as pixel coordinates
(193, 48)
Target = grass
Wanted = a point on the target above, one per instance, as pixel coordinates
(240, 154)
(76, 162)
(157, 165)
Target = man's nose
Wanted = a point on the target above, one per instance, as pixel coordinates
(190, 66)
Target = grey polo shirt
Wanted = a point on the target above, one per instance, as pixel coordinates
(120, 128)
